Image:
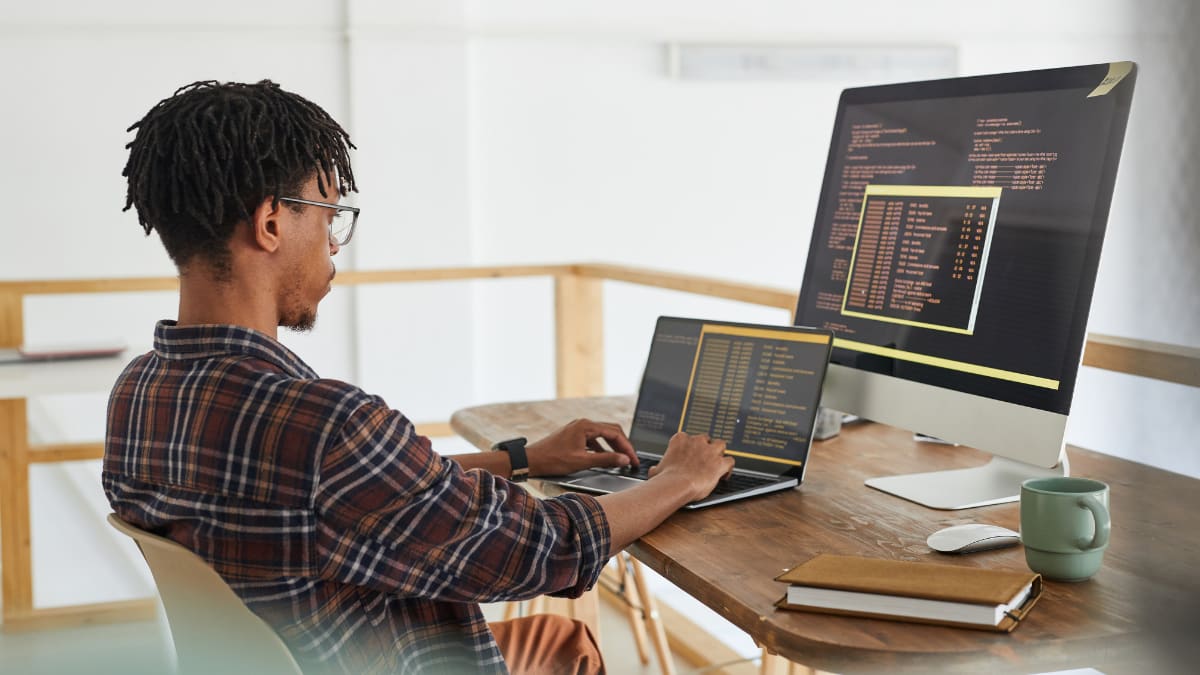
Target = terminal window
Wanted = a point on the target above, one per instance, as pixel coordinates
(755, 388)
(920, 255)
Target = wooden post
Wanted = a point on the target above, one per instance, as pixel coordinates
(658, 633)
(579, 329)
(15, 557)
(12, 319)
(579, 371)
(16, 562)
(634, 611)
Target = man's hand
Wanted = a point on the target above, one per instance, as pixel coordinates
(696, 459)
(689, 470)
(576, 446)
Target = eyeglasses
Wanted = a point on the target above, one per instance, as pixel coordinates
(341, 228)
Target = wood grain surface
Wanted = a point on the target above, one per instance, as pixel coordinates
(1137, 614)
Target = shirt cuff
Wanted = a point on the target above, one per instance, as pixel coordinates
(595, 538)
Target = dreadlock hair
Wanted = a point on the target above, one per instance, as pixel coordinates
(206, 157)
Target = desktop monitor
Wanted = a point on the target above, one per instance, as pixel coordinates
(954, 254)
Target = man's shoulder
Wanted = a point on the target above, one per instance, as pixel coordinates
(243, 382)
(245, 427)
(240, 369)
(333, 399)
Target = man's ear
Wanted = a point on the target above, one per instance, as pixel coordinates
(264, 224)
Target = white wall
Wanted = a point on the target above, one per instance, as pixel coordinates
(584, 147)
(547, 131)
(410, 109)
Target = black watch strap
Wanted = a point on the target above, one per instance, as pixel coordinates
(515, 447)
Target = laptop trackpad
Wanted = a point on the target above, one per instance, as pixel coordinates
(603, 482)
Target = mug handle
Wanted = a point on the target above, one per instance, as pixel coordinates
(1103, 524)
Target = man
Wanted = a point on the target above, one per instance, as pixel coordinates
(324, 510)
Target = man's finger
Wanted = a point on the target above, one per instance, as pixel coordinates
(608, 459)
(616, 439)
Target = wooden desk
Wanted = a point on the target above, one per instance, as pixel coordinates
(1122, 620)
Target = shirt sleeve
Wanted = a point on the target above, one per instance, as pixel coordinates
(394, 516)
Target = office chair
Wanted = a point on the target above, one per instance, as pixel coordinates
(213, 630)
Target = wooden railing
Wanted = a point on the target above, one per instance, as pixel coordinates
(579, 359)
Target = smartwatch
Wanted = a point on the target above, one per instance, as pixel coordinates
(515, 447)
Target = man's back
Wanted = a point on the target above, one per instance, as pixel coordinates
(324, 510)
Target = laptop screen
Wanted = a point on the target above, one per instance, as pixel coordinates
(755, 387)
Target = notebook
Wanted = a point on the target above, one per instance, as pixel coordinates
(921, 592)
(756, 387)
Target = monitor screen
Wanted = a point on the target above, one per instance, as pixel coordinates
(959, 228)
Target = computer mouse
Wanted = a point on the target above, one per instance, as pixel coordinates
(972, 537)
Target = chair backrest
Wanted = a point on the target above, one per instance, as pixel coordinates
(213, 630)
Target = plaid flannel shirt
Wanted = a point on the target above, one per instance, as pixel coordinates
(326, 513)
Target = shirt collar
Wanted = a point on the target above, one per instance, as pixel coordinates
(174, 342)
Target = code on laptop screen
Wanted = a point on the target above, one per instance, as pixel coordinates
(755, 387)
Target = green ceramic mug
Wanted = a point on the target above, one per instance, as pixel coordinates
(1064, 526)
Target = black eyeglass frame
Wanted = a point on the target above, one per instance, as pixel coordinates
(354, 210)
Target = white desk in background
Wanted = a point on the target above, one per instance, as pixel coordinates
(18, 382)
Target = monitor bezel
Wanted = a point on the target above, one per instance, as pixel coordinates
(1074, 77)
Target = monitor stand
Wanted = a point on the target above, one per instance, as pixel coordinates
(996, 482)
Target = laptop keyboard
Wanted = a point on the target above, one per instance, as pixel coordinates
(735, 483)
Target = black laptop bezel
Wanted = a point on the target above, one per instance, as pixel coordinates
(796, 472)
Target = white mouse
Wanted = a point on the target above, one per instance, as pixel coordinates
(972, 537)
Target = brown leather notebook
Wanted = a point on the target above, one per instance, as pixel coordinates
(946, 595)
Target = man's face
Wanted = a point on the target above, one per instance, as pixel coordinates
(310, 269)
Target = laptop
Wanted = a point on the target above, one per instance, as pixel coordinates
(756, 387)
